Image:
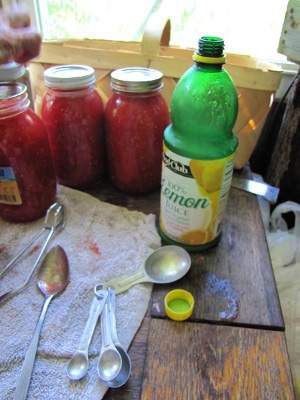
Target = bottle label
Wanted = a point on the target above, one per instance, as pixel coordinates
(9, 191)
(193, 197)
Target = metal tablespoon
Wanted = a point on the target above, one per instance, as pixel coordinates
(110, 362)
(123, 375)
(79, 363)
(53, 277)
(165, 265)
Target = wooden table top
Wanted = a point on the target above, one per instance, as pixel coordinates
(233, 346)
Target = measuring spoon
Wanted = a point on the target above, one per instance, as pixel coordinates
(124, 373)
(56, 221)
(53, 277)
(110, 362)
(79, 363)
(165, 265)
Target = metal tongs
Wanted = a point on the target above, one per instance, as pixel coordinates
(55, 220)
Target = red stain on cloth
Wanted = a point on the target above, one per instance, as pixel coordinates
(95, 249)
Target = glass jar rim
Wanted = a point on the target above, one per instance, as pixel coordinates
(11, 90)
(13, 98)
(69, 76)
(136, 80)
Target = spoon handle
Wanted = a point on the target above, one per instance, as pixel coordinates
(112, 314)
(9, 294)
(124, 282)
(105, 329)
(25, 377)
(22, 251)
(95, 311)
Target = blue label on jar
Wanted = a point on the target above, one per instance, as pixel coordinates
(9, 191)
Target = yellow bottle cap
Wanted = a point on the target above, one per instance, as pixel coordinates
(179, 304)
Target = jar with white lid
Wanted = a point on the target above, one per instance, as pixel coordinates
(135, 118)
(72, 112)
(14, 72)
(11, 71)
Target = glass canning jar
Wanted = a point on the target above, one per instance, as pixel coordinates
(27, 178)
(135, 118)
(72, 112)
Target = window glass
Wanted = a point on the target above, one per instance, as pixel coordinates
(247, 26)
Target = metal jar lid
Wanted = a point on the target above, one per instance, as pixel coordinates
(69, 76)
(136, 80)
(11, 71)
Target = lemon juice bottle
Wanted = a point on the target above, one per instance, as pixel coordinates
(198, 151)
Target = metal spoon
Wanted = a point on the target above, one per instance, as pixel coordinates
(56, 220)
(165, 265)
(123, 375)
(53, 277)
(79, 363)
(110, 362)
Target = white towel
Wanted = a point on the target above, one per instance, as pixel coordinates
(102, 241)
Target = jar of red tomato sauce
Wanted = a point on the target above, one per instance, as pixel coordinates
(27, 178)
(72, 112)
(135, 118)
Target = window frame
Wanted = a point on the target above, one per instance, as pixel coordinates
(289, 68)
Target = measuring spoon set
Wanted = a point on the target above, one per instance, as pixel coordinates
(165, 265)
(114, 364)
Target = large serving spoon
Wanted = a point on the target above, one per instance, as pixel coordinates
(53, 277)
(55, 221)
(78, 365)
(124, 373)
(165, 265)
(110, 361)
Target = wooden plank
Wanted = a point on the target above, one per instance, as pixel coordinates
(137, 352)
(283, 169)
(199, 361)
(289, 43)
(245, 72)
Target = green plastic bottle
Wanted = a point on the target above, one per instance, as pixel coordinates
(199, 150)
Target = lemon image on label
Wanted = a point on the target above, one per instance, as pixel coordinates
(208, 175)
(193, 197)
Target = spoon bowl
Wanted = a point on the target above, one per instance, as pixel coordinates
(110, 361)
(124, 373)
(53, 277)
(165, 265)
(79, 363)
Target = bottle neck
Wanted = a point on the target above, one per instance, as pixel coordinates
(13, 99)
(209, 67)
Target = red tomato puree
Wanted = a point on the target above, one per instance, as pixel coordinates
(134, 126)
(24, 148)
(75, 131)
